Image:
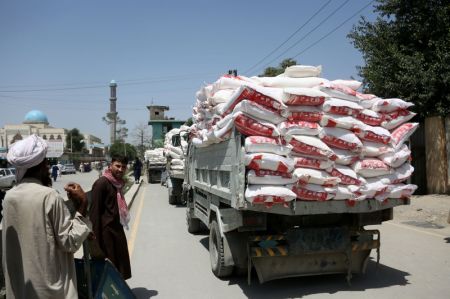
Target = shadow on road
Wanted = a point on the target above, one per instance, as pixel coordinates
(143, 293)
(447, 240)
(375, 278)
(325, 284)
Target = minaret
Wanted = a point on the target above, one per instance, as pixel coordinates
(112, 110)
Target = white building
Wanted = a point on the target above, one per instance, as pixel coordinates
(36, 122)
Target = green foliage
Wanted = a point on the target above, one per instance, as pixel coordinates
(74, 141)
(158, 143)
(124, 149)
(189, 122)
(275, 71)
(407, 53)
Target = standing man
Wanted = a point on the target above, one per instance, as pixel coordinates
(55, 170)
(39, 233)
(109, 215)
(137, 169)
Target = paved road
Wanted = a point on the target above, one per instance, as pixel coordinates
(85, 179)
(168, 262)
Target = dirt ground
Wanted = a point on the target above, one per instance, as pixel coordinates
(428, 211)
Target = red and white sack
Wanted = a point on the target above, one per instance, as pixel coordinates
(299, 127)
(346, 175)
(313, 192)
(373, 188)
(269, 177)
(284, 82)
(267, 161)
(374, 134)
(220, 96)
(304, 113)
(304, 96)
(390, 105)
(402, 133)
(261, 144)
(270, 97)
(339, 91)
(224, 133)
(308, 162)
(314, 176)
(231, 82)
(353, 84)
(373, 149)
(340, 138)
(402, 190)
(310, 146)
(367, 100)
(341, 121)
(371, 167)
(251, 126)
(396, 118)
(259, 111)
(302, 71)
(341, 107)
(348, 192)
(260, 194)
(397, 158)
(370, 117)
(345, 157)
(399, 174)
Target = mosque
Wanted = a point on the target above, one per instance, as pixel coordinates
(36, 122)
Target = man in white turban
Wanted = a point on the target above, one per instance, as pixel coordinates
(39, 233)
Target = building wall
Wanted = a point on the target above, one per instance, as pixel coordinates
(436, 155)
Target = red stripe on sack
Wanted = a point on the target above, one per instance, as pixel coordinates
(305, 116)
(339, 143)
(305, 100)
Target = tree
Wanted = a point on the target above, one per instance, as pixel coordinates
(141, 138)
(189, 122)
(275, 71)
(123, 149)
(74, 141)
(406, 51)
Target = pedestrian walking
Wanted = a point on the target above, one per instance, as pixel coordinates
(55, 171)
(137, 169)
(109, 215)
(40, 234)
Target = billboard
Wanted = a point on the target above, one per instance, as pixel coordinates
(55, 148)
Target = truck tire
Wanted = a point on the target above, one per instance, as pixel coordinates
(193, 224)
(216, 252)
(172, 198)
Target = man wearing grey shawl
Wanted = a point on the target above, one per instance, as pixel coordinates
(39, 233)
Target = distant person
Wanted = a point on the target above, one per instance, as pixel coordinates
(137, 169)
(39, 233)
(55, 170)
(109, 215)
(99, 167)
(81, 167)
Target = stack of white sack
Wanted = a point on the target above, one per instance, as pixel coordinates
(155, 156)
(175, 152)
(319, 139)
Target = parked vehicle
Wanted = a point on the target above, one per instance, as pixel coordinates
(67, 169)
(297, 239)
(7, 178)
(155, 163)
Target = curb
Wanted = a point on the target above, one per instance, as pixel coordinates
(131, 193)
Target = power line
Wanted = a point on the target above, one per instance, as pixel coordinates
(307, 34)
(332, 31)
(283, 43)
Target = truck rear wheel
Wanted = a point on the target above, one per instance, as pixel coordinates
(216, 252)
(172, 198)
(193, 224)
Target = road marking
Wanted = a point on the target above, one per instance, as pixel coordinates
(136, 222)
(417, 230)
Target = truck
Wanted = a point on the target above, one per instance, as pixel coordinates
(175, 144)
(155, 164)
(301, 239)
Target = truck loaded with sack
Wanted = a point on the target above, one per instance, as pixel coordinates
(287, 172)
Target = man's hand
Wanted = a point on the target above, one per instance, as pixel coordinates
(77, 194)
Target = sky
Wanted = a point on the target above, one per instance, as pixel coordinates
(60, 56)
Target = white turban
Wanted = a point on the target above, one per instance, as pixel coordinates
(27, 153)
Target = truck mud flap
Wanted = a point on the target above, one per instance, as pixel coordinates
(305, 252)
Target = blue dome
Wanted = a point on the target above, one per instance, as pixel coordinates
(35, 116)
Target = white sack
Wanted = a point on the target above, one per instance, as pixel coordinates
(305, 113)
(371, 167)
(314, 176)
(304, 96)
(259, 111)
(341, 139)
(267, 161)
(298, 128)
(251, 126)
(261, 144)
(346, 175)
(308, 162)
(268, 177)
(341, 107)
(310, 146)
(402, 133)
(397, 158)
(390, 105)
(302, 71)
(313, 192)
(289, 82)
(260, 194)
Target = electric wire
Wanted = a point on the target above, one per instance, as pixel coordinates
(283, 43)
